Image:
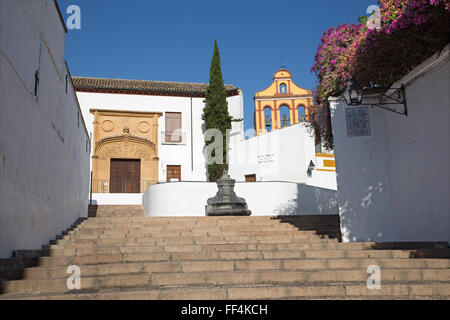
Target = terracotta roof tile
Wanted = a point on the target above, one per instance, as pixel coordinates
(145, 87)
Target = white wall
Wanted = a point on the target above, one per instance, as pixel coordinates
(44, 162)
(189, 154)
(394, 185)
(116, 198)
(263, 198)
(290, 151)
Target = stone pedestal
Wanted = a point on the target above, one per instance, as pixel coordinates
(226, 203)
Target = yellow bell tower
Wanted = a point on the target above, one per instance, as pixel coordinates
(282, 104)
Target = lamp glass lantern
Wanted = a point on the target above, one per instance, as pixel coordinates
(310, 169)
(354, 93)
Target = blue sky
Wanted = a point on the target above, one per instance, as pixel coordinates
(173, 40)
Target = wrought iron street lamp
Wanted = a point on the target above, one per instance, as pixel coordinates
(311, 167)
(354, 93)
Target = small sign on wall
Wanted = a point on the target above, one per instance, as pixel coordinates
(266, 158)
(358, 122)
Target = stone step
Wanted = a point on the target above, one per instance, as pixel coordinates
(229, 261)
(224, 278)
(12, 268)
(235, 220)
(149, 222)
(189, 225)
(148, 233)
(137, 237)
(162, 230)
(124, 254)
(196, 240)
(316, 220)
(301, 254)
(281, 218)
(132, 237)
(82, 249)
(217, 220)
(266, 292)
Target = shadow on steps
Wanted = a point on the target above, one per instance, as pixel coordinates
(325, 226)
(13, 268)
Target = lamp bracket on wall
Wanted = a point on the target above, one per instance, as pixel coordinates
(401, 100)
(354, 95)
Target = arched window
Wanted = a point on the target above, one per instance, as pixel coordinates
(285, 116)
(283, 88)
(301, 113)
(268, 118)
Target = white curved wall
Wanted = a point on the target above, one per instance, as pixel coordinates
(263, 198)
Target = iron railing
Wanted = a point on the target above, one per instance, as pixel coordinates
(173, 137)
(121, 186)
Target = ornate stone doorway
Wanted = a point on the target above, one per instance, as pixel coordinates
(125, 176)
(125, 158)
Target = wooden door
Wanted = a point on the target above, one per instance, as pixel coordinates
(250, 178)
(173, 172)
(125, 176)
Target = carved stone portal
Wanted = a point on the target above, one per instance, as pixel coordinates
(125, 135)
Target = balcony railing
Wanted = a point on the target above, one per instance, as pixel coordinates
(173, 137)
(121, 186)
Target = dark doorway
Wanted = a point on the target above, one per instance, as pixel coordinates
(125, 176)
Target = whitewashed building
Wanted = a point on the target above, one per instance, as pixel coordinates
(288, 155)
(44, 144)
(393, 170)
(177, 131)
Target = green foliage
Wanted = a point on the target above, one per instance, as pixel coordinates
(215, 113)
(363, 20)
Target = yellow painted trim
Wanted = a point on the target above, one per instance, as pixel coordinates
(329, 163)
(326, 170)
(323, 155)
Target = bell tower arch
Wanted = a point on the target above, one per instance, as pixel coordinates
(283, 97)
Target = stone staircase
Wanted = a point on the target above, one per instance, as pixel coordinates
(124, 255)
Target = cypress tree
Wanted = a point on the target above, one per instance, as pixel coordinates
(215, 112)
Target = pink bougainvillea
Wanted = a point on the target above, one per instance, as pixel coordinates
(410, 32)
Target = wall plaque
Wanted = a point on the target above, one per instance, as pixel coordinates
(358, 122)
